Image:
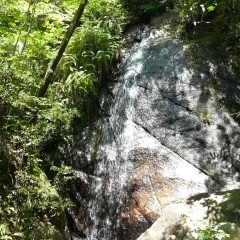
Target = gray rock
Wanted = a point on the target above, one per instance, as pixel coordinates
(203, 212)
(236, 140)
(167, 135)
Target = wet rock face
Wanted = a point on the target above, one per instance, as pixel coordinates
(166, 134)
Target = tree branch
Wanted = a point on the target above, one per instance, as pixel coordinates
(53, 65)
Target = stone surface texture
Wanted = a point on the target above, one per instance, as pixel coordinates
(201, 212)
(164, 134)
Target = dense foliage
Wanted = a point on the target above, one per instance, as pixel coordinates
(217, 21)
(144, 10)
(31, 126)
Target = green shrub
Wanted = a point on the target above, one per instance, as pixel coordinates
(221, 21)
(32, 179)
(143, 10)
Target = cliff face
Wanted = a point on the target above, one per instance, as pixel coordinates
(165, 133)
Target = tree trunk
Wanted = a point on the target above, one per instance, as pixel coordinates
(53, 65)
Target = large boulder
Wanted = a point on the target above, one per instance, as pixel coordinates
(164, 133)
(209, 215)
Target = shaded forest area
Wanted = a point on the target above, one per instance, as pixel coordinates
(54, 55)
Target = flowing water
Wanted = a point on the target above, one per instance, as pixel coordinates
(118, 133)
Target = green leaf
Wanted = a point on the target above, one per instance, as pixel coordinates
(19, 234)
(211, 8)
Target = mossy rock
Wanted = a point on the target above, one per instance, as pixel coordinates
(43, 208)
(49, 226)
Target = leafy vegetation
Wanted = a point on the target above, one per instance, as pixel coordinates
(143, 10)
(215, 23)
(33, 125)
(209, 233)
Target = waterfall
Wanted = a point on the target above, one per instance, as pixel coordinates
(113, 167)
(108, 156)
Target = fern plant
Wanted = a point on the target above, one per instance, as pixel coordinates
(33, 127)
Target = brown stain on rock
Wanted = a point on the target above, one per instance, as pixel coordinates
(148, 194)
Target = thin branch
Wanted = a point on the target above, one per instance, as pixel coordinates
(53, 65)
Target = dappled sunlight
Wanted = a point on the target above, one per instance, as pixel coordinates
(163, 138)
